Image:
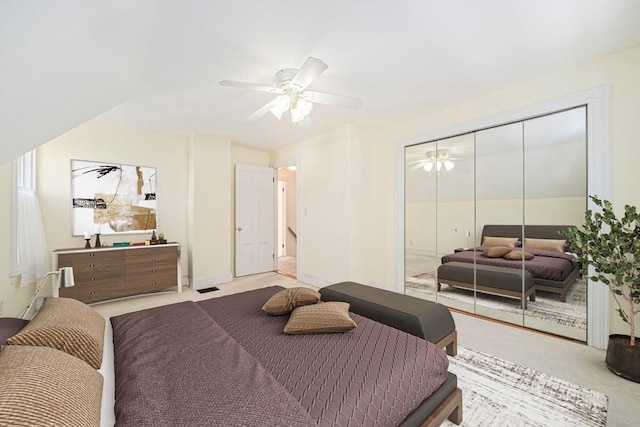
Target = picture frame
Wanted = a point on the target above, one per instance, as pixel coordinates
(112, 198)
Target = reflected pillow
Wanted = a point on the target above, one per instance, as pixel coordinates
(500, 241)
(287, 299)
(496, 252)
(546, 244)
(517, 255)
(321, 318)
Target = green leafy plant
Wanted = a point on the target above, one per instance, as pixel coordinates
(611, 246)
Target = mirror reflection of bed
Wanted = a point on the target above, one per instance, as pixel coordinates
(531, 172)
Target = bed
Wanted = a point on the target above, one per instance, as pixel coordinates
(552, 270)
(224, 361)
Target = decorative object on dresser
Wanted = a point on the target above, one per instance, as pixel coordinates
(65, 279)
(113, 272)
(609, 250)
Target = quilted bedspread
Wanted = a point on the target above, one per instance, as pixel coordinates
(373, 375)
(175, 366)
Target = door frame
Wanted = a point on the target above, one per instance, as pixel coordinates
(598, 182)
(283, 163)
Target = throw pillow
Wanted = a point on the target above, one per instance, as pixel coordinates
(66, 324)
(287, 299)
(324, 317)
(556, 245)
(42, 386)
(517, 255)
(500, 241)
(496, 252)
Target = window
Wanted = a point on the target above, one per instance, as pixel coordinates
(30, 258)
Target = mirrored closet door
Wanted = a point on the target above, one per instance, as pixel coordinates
(484, 212)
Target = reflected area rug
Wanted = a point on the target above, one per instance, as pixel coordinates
(547, 306)
(500, 393)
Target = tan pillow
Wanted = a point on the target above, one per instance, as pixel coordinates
(287, 299)
(546, 244)
(41, 386)
(66, 324)
(496, 251)
(517, 255)
(324, 317)
(500, 241)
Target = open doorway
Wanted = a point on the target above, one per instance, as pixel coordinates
(287, 227)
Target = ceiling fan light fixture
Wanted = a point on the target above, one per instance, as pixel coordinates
(304, 106)
(296, 115)
(428, 166)
(282, 104)
(448, 165)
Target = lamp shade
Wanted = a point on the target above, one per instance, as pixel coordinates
(66, 277)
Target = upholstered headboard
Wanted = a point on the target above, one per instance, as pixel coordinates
(531, 231)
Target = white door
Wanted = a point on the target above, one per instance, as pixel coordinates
(255, 219)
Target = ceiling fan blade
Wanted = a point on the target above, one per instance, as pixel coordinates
(329, 99)
(309, 71)
(243, 85)
(262, 111)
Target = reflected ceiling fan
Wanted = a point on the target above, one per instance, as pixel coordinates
(291, 85)
(436, 159)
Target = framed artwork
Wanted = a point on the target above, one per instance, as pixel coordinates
(110, 198)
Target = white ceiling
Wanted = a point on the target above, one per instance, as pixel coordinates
(156, 64)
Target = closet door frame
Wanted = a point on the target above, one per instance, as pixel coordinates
(598, 178)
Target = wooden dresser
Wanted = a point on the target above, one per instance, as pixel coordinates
(112, 272)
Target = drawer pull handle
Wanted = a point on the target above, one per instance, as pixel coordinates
(92, 265)
(92, 279)
(92, 254)
(92, 292)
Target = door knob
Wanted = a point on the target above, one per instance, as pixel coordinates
(239, 228)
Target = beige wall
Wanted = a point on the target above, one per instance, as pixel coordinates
(367, 213)
(455, 218)
(323, 231)
(209, 220)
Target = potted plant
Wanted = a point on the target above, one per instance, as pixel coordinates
(611, 246)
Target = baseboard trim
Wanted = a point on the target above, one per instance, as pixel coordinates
(313, 281)
(208, 282)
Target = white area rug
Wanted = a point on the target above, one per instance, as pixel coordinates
(500, 393)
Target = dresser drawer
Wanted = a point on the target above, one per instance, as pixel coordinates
(95, 268)
(89, 294)
(152, 280)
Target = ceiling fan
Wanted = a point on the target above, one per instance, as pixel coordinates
(291, 85)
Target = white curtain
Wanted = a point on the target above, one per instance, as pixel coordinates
(33, 256)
